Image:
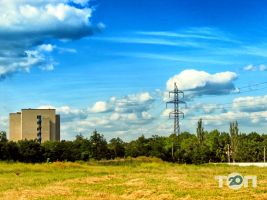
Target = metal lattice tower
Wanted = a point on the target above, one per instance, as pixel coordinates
(176, 113)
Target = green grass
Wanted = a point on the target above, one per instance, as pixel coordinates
(131, 179)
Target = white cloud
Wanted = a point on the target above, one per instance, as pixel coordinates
(114, 116)
(261, 68)
(201, 82)
(99, 106)
(250, 68)
(25, 24)
(166, 112)
(244, 118)
(148, 41)
(46, 47)
(132, 117)
(202, 33)
(67, 113)
(250, 103)
(146, 115)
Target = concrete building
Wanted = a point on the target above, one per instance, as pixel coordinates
(28, 123)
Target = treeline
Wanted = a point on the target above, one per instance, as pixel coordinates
(202, 147)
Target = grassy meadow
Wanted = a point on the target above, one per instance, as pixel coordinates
(140, 178)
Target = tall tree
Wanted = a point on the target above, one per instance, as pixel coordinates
(234, 139)
(99, 147)
(200, 131)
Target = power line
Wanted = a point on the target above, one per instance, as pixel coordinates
(251, 85)
(224, 107)
(236, 93)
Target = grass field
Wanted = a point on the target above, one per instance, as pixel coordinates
(131, 179)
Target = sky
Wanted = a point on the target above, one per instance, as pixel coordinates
(109, 64)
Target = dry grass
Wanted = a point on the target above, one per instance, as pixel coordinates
(124, 180)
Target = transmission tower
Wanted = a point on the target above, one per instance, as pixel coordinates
(176, 113)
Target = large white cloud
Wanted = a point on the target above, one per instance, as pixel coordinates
(200, 82)
(25, 25)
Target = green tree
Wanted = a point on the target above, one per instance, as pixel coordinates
(222, 150)
(252, 147)
(234, 139)
(116, 146)
(157, 149)
(12, 151)
(187, 145)
(99, 148)
(212, 141)
(30, 151)
(200, 131)
(81, 148)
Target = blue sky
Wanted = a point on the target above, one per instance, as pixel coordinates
(107, 64)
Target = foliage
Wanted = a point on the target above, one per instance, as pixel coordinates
(200, 132)
(234, 139)
(202, 147)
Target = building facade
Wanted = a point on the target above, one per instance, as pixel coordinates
(40, 124)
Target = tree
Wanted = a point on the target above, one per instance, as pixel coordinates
(30, 151)
(252, 147)
(212, 141)
(156, 144)
(234, 139)
(116, 146)
(81, 148)
(187, 146)
(12, 151)
(222, 150)
(200, 131)
(99, 147)
(200, 154)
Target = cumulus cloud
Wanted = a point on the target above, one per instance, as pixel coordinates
(99, 107)
(120, 114)
(115, 115)
(244, 118)
(261, 68)
(250, 68)
(199, 83)
(26, 25)
(128, 104)
(67, 113)
(250, 103)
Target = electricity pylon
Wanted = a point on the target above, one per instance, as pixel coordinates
(176, 113)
